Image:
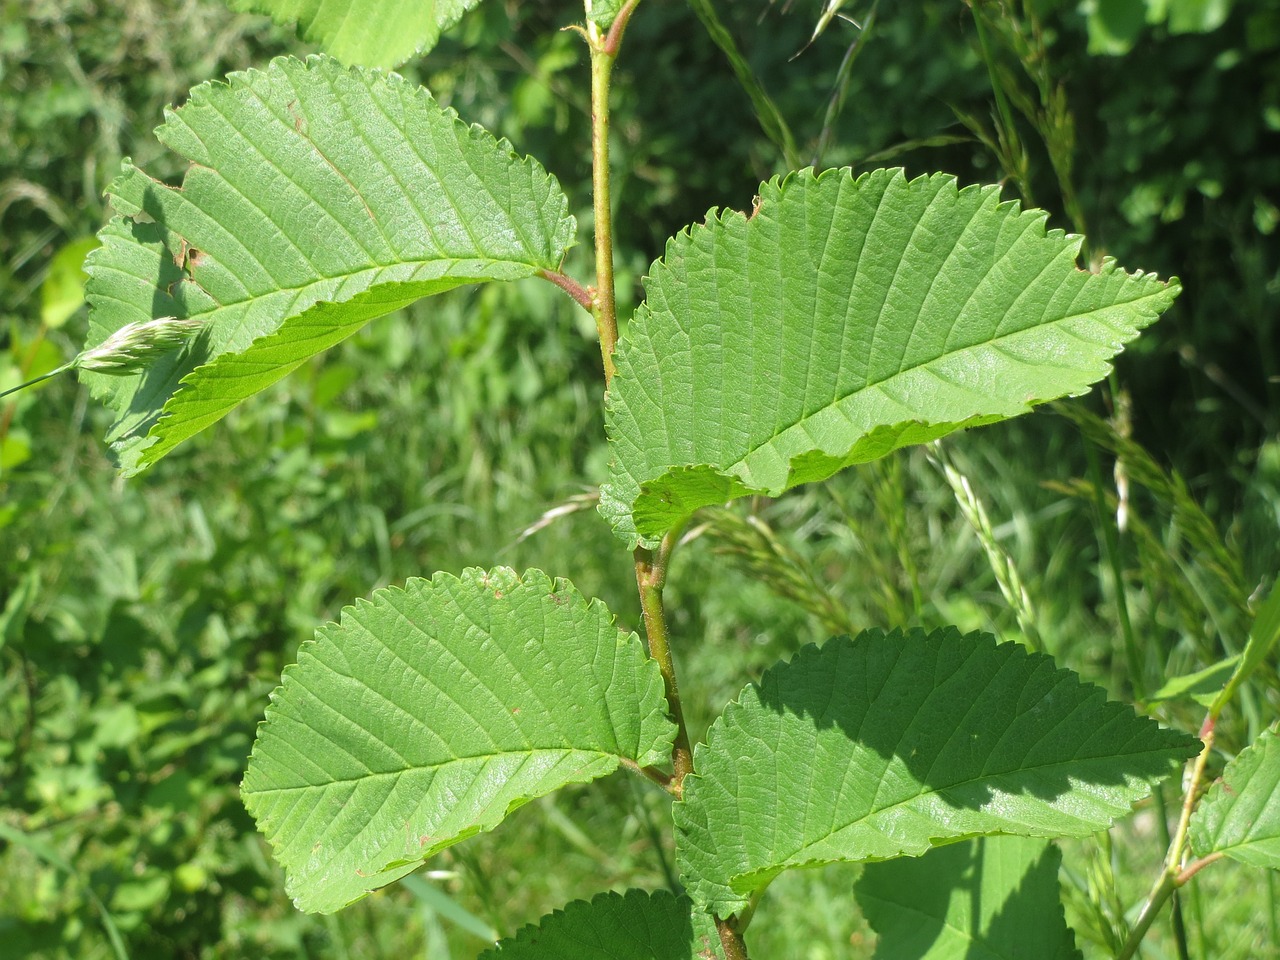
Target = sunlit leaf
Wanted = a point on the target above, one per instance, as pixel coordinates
(840, 320)
(318, 199)
(1240, 816)
(431, 712)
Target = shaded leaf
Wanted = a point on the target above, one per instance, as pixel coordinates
(318, 199)
(995, 898)
(431, 712)
(369, 33)
(885, 745)
(613, 926)
(843, 319)
(1240, 816)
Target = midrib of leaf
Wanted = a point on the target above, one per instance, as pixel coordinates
(168, 387)
(302, 290)
(423, 768)
(869, 820)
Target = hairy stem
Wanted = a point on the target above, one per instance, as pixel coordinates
(661, 778)
(731, 940)
(572, 287)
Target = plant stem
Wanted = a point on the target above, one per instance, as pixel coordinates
(661, 778)
(604, 50)
(572, 287)
(1111, 548)
(835, 103)
(731, 940)
(650, 567)
(40, 379)
(651, 577)
(1174, 875)
(1014, 155)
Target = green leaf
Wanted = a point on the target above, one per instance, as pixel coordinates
(603, 12)
(371, 33)
(886, 745)
(1197, 16)
(445, 907)
(62, 292)
(318, 199)
(1240, 816)
(614, 926)
(1203, 686)
(843, 319)
(1263, 634)
(431, 712)
(990, 899)
(1115, 25)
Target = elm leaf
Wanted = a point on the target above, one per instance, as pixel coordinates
(888, 744)
(1240, 815)
(613, 926)
(995, 898)
(432, 711)
(318, 199)
(843, 319)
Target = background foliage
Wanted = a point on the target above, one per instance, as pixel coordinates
(143, 624)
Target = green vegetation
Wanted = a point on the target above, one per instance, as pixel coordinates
(144, 623)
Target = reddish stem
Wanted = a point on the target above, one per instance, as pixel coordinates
(570, 286)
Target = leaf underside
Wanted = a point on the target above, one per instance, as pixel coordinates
(843, 319)
(431, 712)
(368, 33)
(885, 745)
(613, 926)
(996, 898)
(1240, 816)
(318, 199)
